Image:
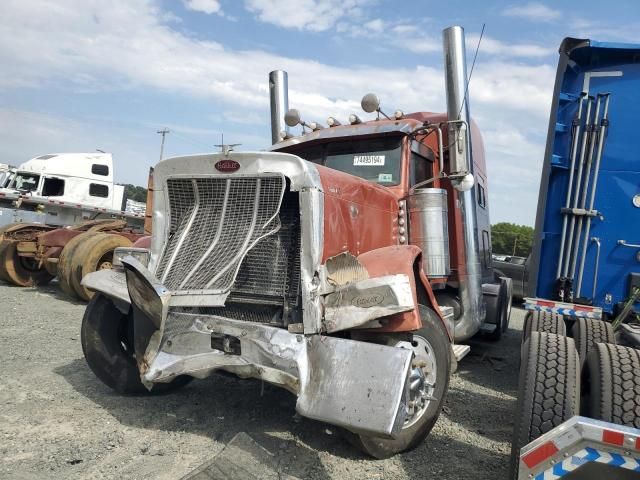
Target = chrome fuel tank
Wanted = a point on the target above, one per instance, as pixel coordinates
(428, 229)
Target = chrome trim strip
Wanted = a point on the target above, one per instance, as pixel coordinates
(215, 239)
(176, 250)
(243, 251)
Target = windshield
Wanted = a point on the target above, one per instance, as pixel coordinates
(27, 182)
(374, 159)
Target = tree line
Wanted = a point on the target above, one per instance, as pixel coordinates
(511, 239)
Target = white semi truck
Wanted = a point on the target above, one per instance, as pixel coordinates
(64, 189)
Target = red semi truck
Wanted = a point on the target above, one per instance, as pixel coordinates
(345, 265)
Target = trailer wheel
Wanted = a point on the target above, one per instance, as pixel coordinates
(587, 332)
(431, 368)
(21, 271)
(65, 259)
(3, 245)
(543, 322)
(548, 389)
(614, 378)
(94, 254)
(107, 344)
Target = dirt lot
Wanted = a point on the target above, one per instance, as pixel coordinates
(58, 421)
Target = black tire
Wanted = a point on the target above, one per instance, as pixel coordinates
(434, 332)
(503, 309)
(107, 345)
(587, 332)
(614, 378)
(548, 389)
(543, 322)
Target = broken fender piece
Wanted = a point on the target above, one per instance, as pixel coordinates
(356, 385)
(358, 303)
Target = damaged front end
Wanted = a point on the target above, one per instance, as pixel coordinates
(235, 283)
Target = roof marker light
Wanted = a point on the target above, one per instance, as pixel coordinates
(333, 122)
(354, 119)
(398, 114)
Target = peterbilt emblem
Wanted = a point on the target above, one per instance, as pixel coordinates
(227, 166)
(367, 301)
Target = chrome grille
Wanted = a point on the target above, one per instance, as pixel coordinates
(272, 267)
(213, 222)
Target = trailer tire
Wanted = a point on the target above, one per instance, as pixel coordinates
(64, 262)
(543, 322)
(21, 271)
(433, 332)
(107, 345)
(94, 254)
(614, 378)
(587, 332)
(548, 389)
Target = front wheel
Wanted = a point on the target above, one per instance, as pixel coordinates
(107, 344)
(428, 385)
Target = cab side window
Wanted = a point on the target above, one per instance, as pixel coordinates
(53, 187)
(421, 163)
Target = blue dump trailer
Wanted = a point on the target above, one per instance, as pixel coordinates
(578, 408)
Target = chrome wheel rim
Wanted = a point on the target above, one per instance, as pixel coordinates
(422, 378)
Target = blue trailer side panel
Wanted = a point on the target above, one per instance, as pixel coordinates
(593, 68)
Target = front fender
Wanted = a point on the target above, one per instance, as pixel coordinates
(402, 259)
(113, 284)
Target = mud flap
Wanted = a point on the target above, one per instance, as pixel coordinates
(356, 385)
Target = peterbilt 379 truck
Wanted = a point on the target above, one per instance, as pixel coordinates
(344, 265)
(578, 413)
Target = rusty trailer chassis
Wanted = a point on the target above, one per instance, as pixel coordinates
(29, 252)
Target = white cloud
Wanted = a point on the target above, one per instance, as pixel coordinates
(376, 25)
(124, 45)
(204, 6)
(533, 11)
(313, 15)
(495, 47)
(598, 30)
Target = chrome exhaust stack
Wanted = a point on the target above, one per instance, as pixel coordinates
(460, 161)
(279, 96)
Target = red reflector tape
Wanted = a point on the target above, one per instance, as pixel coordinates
(540, 454)
(582, 309)
(637, 443)
(613, 438)
(546, 304)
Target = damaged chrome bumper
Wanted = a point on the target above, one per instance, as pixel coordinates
(356, 385)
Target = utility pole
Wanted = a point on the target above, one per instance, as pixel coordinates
(162, 132)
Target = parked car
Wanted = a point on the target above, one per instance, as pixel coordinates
(515, 268)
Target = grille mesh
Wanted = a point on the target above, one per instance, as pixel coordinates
(272, 267)
(213, 222)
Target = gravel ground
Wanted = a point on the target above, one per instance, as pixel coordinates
(58, 421)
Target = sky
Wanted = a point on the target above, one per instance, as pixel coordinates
(81, 75)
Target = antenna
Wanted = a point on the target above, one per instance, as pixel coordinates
(162, 132)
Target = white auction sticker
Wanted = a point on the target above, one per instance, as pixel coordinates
(369, 160)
